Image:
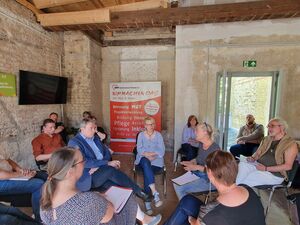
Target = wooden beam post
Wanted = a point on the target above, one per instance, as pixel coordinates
(31, 7)
(42, 4)
(75, 18)
(136, 6)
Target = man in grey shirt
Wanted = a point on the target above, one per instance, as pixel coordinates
(248, 139)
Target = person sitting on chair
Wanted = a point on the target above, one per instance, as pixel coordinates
(189, 143)
(100, 131)
(59, 126)
(235, 205)
(63, 203)
(99, 170)
(46, 143)
(10, 169)
(150, 158)
(204, 133)
(248, 139)
(274, 157)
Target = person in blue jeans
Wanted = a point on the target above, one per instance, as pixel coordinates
(150, 159)
(235, 204)
(11, 170)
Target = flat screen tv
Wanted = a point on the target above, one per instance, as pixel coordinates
(38, 88)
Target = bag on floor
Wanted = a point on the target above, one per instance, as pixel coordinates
(294, 208)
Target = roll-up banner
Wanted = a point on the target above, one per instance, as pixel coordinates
(130, 103)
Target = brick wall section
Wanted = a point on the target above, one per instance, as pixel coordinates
(82, 66)
(24, 45)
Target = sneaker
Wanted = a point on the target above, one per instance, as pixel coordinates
(148, 208)
(155, 220)
(157, 201)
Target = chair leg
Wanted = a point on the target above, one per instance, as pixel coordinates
(134, 176)
(165, 183)
(176, 162)
(269, 202)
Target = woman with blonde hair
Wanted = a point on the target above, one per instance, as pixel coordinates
(204, 134)
(62, 203)
(150, 159)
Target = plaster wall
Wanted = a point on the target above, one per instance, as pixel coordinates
(202, 51)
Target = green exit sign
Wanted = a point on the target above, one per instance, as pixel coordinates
(250, 63)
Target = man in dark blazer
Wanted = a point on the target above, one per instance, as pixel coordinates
(100, 171)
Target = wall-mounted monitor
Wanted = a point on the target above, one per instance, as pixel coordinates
(39, 88)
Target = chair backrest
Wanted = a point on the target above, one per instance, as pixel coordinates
(134, 150)
(292, 173)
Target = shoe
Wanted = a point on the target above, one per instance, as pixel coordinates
(157, 201)
(155, 220)
(148, 208)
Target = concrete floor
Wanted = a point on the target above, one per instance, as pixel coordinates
(278, 214)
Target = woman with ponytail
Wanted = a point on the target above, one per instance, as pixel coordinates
(63, 203)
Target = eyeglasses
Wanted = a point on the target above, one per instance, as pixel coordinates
(273, 125)
(82, 161)
(149, 124)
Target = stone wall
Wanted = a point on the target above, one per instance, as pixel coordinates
(24, 45)
(203, 51)
(141, 63)
(82, 64)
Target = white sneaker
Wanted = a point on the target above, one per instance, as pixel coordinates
(157, 201)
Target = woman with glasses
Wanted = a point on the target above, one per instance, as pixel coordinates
(63, 203)
(189, 143)
(204, 134)
(235, 205)
(150, 159)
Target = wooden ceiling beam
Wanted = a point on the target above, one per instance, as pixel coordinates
(206, 13)
(31, 7)
(136, 6)
(42, 4)
(75, 18)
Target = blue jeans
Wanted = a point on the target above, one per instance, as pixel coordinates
(190, 151)
(13, 216)
(107, 176)
(148, 171)
(243, 149)
(189, 205)
(199, 185)
(32, 186)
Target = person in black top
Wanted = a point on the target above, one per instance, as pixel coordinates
(59, 127)
(235, 205)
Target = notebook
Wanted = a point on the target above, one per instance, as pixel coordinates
(185, 178)
(118, 196)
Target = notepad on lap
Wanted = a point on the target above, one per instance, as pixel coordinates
(19, 178)
(118, 196)
(185, 178)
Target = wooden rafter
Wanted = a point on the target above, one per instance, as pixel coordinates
(136, 6)
(75, 18)
(42, 4)
(31, 7)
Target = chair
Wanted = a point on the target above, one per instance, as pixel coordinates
(136, 169)
(207, 194)
(182, 155)
(284, 185)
